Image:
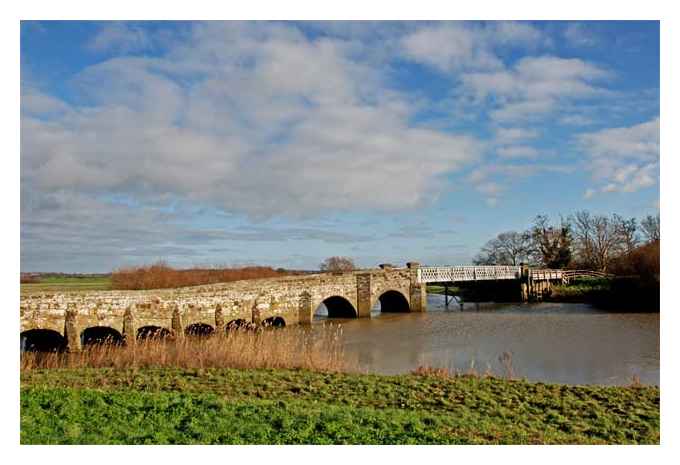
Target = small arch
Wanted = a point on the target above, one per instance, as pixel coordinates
(199, 330)
(237, 324)
(98, 335)
(153, 332)
(393, 302)
(41, 340)
(337, 307)
(274, 322)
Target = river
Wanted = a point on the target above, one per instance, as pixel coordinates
(550, 342)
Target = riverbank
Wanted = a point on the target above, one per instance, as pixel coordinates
(618, 294)
(265, 406)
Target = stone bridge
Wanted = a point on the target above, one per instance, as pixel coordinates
(71, 319)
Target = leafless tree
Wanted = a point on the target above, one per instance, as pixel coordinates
(600, 238)
(508, 248)
(626, 230)
(337, 264)
(651, 228)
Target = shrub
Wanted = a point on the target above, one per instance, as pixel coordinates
(162, 276)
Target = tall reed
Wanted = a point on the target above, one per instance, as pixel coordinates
(318, 348)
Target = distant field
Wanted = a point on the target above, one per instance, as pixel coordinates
(67, 284)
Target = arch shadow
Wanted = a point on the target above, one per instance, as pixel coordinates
(239, 324)
(338, 307)
(151, 332)
(274, 322)
(41, 340)
(236, 324)
(199, 330)
(393, 302)
(100, 335)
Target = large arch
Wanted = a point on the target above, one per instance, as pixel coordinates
(41, 340)
(392, 301)
(274, 322)
(199, 330)
(153, 332)
(237, 324)
(338, 307)
(100, 335)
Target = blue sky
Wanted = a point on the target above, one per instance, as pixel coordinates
(282, 143)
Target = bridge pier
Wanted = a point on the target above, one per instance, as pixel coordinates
(305, 310)
(71, 331)
(418, 290)
(364, 295)
(219, 319)
(177, 326)
(129, 328)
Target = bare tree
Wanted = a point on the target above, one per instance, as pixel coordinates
(600, 238)
(583, 239)
(626, 230)
(337, 264)
(508, 248)
(651, 228)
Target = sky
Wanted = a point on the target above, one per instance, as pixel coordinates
(283, 143)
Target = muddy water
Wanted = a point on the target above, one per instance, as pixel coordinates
(550, 342)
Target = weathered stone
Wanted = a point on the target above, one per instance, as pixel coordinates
(293, 298)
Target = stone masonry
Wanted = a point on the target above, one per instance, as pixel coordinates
(293, 298)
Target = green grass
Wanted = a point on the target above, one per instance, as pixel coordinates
(581, 290)
(227, 406)
(68, 284)
(436, 289)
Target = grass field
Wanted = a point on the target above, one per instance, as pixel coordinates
(230, 406)
(68, 284)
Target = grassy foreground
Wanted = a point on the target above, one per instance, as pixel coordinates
(231, 406)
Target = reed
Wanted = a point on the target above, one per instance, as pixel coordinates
(318, 349)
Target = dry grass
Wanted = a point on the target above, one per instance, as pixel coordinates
(505, 360)
(319, 349)
(161, 276)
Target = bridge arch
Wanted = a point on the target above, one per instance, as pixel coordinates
(338, 307)
(97, 335)
(199, 330)
(274, 322)
(153, 332)
(41, 340)
(239, 324)
(392, 301)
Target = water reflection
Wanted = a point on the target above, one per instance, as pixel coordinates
(552, 342)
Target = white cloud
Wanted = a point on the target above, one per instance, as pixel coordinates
(578, 34)
(36, 103)
(623, 159)
(517, 151)
(493, 179)
(251, 118)
(511, 135)
(535, 86)
(120, 37)
(454, 46)
(576, 120)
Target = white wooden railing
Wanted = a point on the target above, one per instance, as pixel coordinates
(545, 275)
(443, 274)
(448, 274)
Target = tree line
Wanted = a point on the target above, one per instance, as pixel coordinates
(608, 243)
